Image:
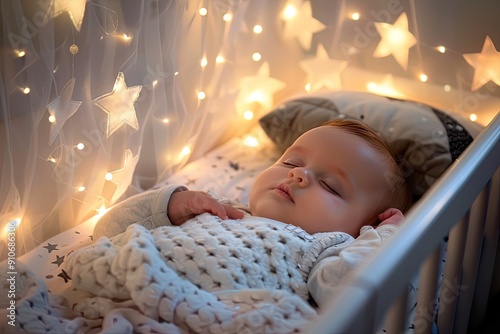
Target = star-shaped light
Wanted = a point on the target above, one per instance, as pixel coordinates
(74, 8)
(299, 22)
(123, 176)
(396, 40)
(486, 64)
(323, 71)
(61, 109)
(385, 88)
(258, 89)
(119, 105)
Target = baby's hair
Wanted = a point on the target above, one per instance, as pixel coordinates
(400, 189)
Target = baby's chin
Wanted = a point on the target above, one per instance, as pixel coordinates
(268, 212)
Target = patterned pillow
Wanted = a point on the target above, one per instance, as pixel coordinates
(425, 139)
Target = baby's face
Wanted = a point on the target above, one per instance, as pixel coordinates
(328, 180)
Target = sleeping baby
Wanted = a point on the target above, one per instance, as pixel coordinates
(333, 198)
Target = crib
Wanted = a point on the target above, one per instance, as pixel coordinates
(101, 101)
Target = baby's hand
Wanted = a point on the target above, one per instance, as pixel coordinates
(391, 216)
(184, 205)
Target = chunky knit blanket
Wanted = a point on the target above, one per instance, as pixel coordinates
(207, 277)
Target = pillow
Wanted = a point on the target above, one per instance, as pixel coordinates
(425, 140)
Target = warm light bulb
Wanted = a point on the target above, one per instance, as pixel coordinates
(102, 210)
(26, 90)
(82, 188)
(473, 117)
(11, 226)
(257, 29)
(220, 59)
(308, 87)
(108, 176)
(248, 115)
(21, 53)
(126, 37)
(447, 88)
(52, 119)
(80, 146)
(203, 11)
(165, 120)
(155, 82)
(289, 12)
(441, 49)
(256, 56)
(355, 16)
(423, 77)
(202, 95)
(185, 151)
(52, 160)
(204, 62)
(251, 141)
(371, 86)
(227, 17)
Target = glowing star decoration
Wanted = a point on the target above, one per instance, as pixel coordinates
(385, 88)
(396, 40)
(323, 71)
(258, 89)
(123, 176)
(74, 8)
(486, 65)
(119, 105)
(61, 109)
(300, 23)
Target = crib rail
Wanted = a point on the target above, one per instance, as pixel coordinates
(459, 203)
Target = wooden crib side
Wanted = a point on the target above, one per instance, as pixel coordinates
(464, 204)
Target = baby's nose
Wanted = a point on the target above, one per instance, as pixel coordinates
(299, 175)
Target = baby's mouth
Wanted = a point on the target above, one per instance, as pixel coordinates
(284, 190)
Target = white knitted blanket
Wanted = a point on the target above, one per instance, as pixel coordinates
(206, 276)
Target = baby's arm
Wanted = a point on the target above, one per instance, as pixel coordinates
(328, 276)
(170, 205)
(148, 209)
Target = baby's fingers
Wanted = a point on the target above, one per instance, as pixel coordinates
(232, 212)
(391, 216)
(388, 213)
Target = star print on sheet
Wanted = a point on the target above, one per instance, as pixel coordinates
(123, 176)
(300, 23)
(396, 40)
(64, 275)
(258, 89)
(323, 71)
(119, 105)
(59, 260)
(234, 165)
(74, 8)
(486, 64)
(51, 247)
(62, 108)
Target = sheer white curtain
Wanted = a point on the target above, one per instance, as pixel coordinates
(100, 99)
(100, 95)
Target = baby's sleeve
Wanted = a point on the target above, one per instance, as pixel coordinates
(148, 209)
(328, 275)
